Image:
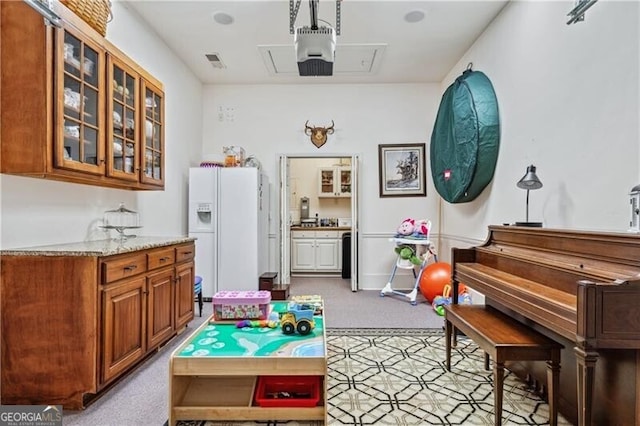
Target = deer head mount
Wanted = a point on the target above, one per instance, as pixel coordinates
(318, 134)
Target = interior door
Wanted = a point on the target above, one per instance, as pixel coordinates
(285, 222)
(355, 224)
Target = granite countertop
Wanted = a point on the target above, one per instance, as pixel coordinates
(321, 228)
(96, 248)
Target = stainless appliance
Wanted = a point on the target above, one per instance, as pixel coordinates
(308, 223)
(304, 208)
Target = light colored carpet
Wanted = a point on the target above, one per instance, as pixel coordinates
(365, 308)
(142, 397)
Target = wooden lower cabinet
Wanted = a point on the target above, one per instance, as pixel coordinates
(160, 306)
(185, 278)
(72, 324)
(123, 324)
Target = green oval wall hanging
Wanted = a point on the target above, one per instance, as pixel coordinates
(465, 138)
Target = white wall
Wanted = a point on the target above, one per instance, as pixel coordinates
(268, 120)
(568, 99)
(36, 211)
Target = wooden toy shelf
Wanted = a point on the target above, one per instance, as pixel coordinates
(221, 383)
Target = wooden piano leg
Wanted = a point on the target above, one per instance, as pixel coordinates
(586, 364)
(498, 385)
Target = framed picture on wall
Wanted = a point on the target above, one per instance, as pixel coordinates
(402, 170)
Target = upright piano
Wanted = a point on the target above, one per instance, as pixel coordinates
(579, 288)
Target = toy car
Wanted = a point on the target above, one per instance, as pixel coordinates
(299, 317)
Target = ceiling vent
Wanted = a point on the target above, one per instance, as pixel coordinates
(214, 59)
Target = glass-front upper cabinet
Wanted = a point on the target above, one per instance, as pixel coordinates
(153, 135)
(327, 182)
(345, 181)
(123, 133)
(335, 182)
(79, 65)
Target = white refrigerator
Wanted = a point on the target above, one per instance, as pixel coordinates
(229, 216)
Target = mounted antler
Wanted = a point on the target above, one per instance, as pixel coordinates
(307, 129)
(318, 134)
(330, 129)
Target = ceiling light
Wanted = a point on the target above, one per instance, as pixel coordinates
(414, 16)
(223, 18)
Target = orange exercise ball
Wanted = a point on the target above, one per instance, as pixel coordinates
(435, 278)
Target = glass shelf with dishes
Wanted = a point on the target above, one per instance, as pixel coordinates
(81, 97)
(123, 159)
(123, 152)
(153, 158)
(80, 60)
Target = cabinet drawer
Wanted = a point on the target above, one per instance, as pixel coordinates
(327, 234)
(159, 258)
(185, 252)
(123, 267)
(303, 234)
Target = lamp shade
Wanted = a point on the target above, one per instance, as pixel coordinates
(530, 180)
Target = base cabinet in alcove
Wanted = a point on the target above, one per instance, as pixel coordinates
(77, 317)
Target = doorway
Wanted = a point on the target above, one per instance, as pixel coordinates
(319, 217)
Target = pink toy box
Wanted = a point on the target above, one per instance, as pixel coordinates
(238, 305)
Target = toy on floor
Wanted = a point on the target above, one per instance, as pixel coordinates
(464, 298)
(271, 322)
(434, 278)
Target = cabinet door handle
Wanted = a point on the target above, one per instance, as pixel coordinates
(130, 268)
(187, 253)
(164, 259)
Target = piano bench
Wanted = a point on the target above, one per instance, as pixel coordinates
(504, 339)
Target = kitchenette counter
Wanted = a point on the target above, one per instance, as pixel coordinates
(97, 248)
(321, 228)
(95, 311)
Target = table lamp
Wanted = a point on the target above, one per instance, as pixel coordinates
(529, 181)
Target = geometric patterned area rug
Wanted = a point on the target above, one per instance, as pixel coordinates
(398, 377)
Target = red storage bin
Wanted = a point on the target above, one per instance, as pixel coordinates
(288, 391)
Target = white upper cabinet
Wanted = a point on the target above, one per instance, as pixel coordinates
(334, 182)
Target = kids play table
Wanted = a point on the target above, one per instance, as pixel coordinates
(213, 375)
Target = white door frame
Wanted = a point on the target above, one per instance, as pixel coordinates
(285, 220)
